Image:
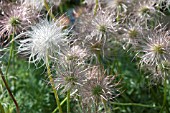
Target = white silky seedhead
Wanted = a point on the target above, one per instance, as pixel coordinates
(46, 38)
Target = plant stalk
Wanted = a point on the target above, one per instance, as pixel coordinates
(96, 7)
(68, 101)
(64, 101)
(9, 91)
(52, 84)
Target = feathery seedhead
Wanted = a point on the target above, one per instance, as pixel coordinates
(131, 33)
(33, 4)
(97, 26)
(102, 25)
(46, 38)
(117, 5)
(146, 11)
(95, 31)
(16, 18)
(98, 86)
(155, 48)
(76, 53)
(70, 74)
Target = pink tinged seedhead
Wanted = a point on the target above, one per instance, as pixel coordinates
(146, 10)
(36, 5)
(76, 53)
(15, 19)
(155, 48)
(70, 74)
(99, 86)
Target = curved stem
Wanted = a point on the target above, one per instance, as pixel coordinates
(52, 84)
(68, 101)
(9, 91)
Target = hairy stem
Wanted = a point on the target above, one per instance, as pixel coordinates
(65, 99)
(68, 101)
(96, 7)
(9, 91)
(60, 105)
(52, 84)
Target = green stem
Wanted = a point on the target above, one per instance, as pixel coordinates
(9, 91)
(63, 102)
(135, 104)
(165, 95)
(10, 54)
(68, 101)
(6, 72)
(96, 7)
(48, 10)
(52, 84)
(60, 105)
